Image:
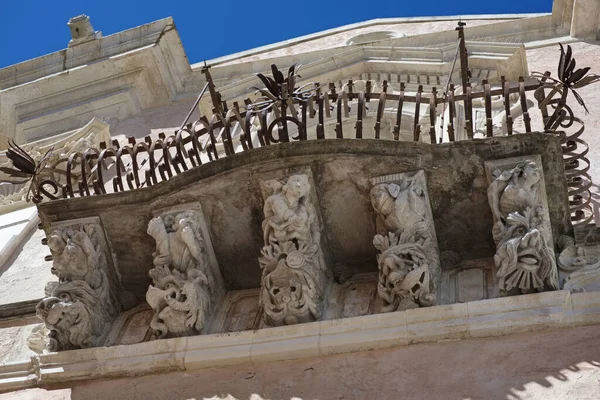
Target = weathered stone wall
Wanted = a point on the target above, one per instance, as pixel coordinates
(230, 196)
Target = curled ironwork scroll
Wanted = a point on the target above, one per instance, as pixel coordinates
(560, 119)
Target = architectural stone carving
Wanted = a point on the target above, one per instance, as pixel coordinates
(409, 267)
(582, 269)
(87, 296)
(293, 270)
(182, 283)
(522, 232)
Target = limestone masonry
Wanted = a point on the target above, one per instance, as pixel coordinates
(399, 208)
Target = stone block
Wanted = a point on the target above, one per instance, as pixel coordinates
(206, 351)
(363, 333)
(513, 314)
(432, 324)
(285, 342)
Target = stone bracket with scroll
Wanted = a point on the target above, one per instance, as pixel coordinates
(88, 295)
(408, 259)
(187, 285)
(524, 258)
(295, 277)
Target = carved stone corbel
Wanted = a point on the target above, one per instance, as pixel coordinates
(409, 266)
(524, 258)
(581, 270)
(294, 275)
(88, 295)
(185, 286)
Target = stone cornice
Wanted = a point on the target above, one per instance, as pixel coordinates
(486, 318)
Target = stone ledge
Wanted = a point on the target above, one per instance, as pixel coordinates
(494, 317)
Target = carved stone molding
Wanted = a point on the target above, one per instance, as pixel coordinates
(409, 266)
(294, 274)
(186, 283)
(88, 295)
(525, 253)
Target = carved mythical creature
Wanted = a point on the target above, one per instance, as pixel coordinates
(293, 275)
(405, 244)
(84, 301)
(399, 208)
(515, 190)
(405, 279)
(524, 255)
(180, 296)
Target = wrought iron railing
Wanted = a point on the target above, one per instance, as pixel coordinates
(285, 113)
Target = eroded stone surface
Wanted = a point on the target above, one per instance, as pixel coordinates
(183, 287)
(88, 295)
(409, 266)
(522, 231)
(293, 269)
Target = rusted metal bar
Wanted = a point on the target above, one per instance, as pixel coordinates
(469, 111)
(399, 112)
(321, 124)
(523, 100)
(506, 96)
(380, 109)
(359, 114)
(451, 113)
(432, 115)
(338, 125)
(416, 126)
(488, 109)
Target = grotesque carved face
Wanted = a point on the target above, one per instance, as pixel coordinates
(523, 257)
(288, 301)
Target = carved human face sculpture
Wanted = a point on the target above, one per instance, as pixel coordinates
(296, 187)
(530, 174)
(70, 260)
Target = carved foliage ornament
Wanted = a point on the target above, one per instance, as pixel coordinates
(293, 276)
(406, 247)
(180, 293)
(524, 254)
(84, 301)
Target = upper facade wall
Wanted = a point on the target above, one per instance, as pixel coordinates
(122, 75)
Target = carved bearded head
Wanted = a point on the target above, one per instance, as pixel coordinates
(68, 321)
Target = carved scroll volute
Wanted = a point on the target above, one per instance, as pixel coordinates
(88, 296)
(524, 247)
(294, 275)
(183, 285)
(409, 267)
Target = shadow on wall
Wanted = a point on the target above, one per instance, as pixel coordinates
(559, 364)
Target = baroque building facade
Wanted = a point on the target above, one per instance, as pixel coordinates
(412, 217)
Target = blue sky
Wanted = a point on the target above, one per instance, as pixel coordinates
(209, 28)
